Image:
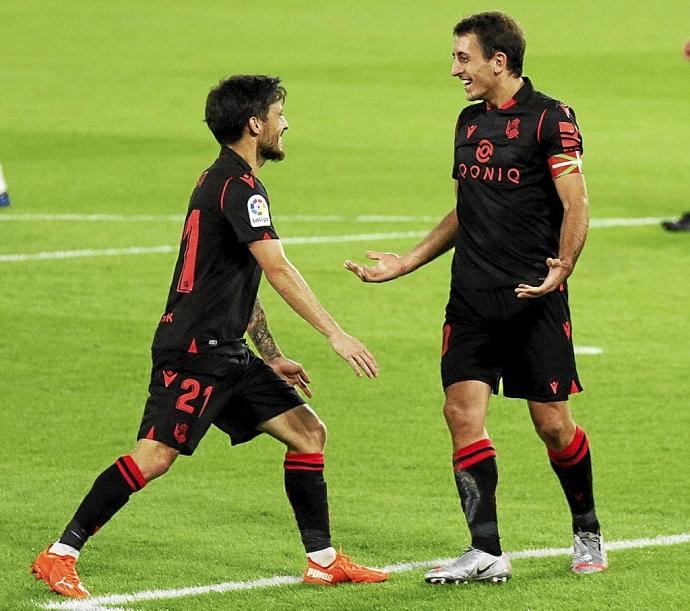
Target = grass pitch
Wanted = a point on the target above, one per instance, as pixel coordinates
(102, 108)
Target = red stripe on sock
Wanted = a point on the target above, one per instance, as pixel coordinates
(134, 469)
(315, 459)
(571, 456)
(301, 468)
(467, 463)
(473, 447)
(581, 454)
(571, 448)
(472, 454)
(303, 462)
(125, 476)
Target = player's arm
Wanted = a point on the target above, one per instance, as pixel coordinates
(572, 191)
(292, 372)
(260, 334)
(390, 266)
(291, 286)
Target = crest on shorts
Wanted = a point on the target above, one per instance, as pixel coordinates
(180, 433)
(513, 128)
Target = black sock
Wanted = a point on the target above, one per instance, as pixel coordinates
(573, 466)
(306, 490)
(476, 477)
(109, 493)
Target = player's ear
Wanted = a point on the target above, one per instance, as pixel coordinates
(500, 62)
(254, 126)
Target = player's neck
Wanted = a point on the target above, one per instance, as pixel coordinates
(248, 150)
(505, 91)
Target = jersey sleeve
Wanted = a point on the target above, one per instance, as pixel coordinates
(245, 205)
(559, 135)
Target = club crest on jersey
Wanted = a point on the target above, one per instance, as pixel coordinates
(513, 128)
(257, 207)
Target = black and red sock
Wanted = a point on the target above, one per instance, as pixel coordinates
(107, 496)
(476, 477)
(573, 466)
(306, 490)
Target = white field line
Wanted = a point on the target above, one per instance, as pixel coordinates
(140, 250)
(148, 218)
(165, 248)
(624, 222)
(588, 350)
(89, 252)
(104, 602)
(110, 218)
(296, 218)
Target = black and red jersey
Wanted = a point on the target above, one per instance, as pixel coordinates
(509, 213)
(216, 278)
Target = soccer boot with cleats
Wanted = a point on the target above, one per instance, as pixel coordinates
(589, 555)
(472, 565)
(341, 570)
(60, 573)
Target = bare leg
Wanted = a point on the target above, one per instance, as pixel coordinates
(474, 461)
(568, 450)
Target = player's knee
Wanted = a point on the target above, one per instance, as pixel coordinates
(555, 433)
(154, 459)
(312, 437)
(159, 465)
(461, 416)
(317, 435)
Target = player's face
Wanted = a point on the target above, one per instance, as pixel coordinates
(475, 72)
(270, 141)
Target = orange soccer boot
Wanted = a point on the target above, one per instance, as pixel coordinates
(341, 570)
(60, 573)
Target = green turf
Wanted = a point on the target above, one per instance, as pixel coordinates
(101, 113)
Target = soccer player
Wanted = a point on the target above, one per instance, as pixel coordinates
(203, 373)
(518, 227)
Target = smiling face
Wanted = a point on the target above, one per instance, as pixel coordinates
(270, 139)
(478, 74)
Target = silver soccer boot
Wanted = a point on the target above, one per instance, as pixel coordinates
(472, 565)
(589, 555)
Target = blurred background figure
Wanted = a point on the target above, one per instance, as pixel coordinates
(682, 224)
(4, 195)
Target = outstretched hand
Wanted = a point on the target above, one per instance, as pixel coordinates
(355, 353)
(292, 372)
(389, 266)
(558, 274)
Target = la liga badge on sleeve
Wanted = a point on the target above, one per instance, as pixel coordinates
(257, 207)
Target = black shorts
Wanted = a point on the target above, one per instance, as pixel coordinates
(491, 334)
(183, 403)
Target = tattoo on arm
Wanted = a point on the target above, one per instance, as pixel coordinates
(260, 334)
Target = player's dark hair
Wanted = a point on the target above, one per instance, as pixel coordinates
(496, 32)
(234, 100)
